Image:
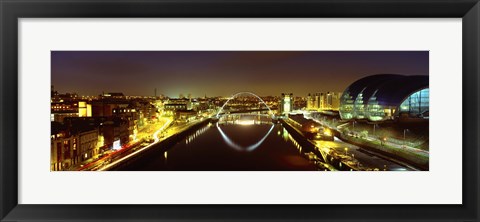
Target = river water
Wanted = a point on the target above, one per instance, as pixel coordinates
(242, 144)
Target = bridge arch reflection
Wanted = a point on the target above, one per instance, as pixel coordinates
(237, 147)
(227, 139)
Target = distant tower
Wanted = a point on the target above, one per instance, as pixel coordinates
(309, 102)
(320, 101)
(286, 103)
(155, 92)
(315, 97)
(329, 100)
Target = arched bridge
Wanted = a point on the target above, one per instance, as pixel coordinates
(245, 93)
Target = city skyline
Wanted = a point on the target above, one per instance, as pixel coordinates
(263, 111)
(221, 73)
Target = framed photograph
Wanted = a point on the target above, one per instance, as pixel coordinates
(206, 110)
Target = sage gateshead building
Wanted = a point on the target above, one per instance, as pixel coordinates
(386, 97)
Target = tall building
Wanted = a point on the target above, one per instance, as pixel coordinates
(286, 103)
(310, 102)
(323, 101)
(331, 101)
(318, 102)
(336, 100)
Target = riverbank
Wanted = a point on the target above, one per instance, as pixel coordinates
(401, 155)
(399, 151)
(174, 135)
(332, 159)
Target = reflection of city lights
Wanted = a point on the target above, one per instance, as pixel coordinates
(197, 133)
(285, 134)
(245, 122)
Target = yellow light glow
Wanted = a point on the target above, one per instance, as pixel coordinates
(245, 122)
(327, 132)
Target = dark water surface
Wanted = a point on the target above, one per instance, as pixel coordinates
(239, 146)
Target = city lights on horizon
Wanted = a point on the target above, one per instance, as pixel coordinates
(219, 73)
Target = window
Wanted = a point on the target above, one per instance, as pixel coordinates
(416, 104)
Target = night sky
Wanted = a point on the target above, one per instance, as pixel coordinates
(223, 73)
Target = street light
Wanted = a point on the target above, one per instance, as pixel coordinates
(404, 141)
(346, 150)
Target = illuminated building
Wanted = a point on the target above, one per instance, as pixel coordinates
(323, 101)
(62, 147)
(59, 116)
(114, 95)
(310, 104)
(386, 97)
(114, 130)
(106, 104)
(286, 103)
(56, 97)
(84, 109)
(111, 129)
(185, 115)
(61, 110)
(202, 105)
(318, 102)
(174, 105)
(330, 101)
(87, 143)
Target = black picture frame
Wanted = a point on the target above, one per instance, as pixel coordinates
(11, 11)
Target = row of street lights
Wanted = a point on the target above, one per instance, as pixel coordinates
(384, 139)
(375, 126)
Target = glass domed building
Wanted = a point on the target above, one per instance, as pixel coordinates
(386, 96)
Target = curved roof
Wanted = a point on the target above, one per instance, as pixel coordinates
(394, 92)
(368, 84)
(390, 89)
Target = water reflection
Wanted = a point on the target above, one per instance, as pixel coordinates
(199, 132)
(235, 143)
(241, 148)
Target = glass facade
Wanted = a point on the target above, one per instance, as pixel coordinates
(416, 105)
(375, 111)
(359, 106)
(346, 106)
(385, 97)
